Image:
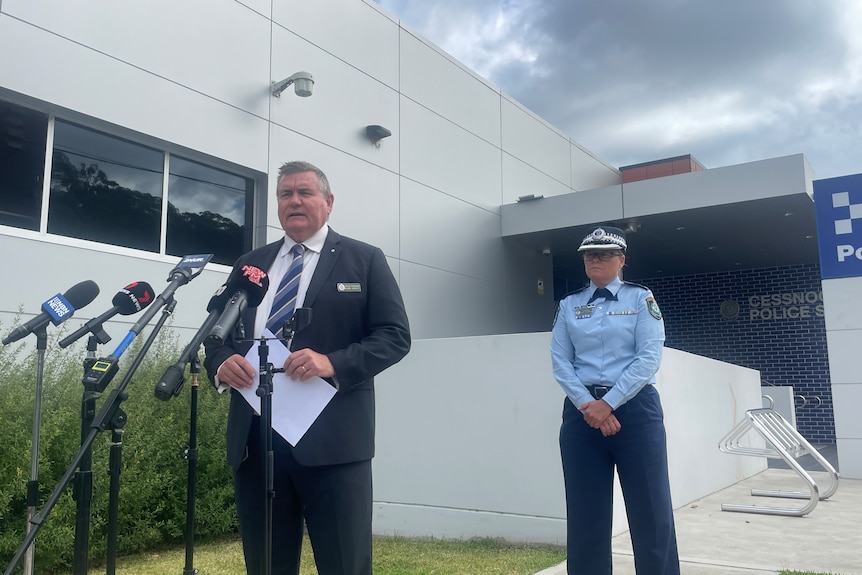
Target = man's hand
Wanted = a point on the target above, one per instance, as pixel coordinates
(237, 372)
(305, 363)
(596, 412)
(610, 426)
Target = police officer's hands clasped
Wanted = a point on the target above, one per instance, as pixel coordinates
(599, 415)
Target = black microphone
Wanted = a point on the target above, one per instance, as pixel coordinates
(173, 379)
(171, 382)
(57, 309)
(245, 288)
(128, 301)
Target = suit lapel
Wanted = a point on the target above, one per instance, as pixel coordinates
(328, 257)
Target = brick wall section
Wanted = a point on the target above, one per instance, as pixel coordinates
(784, 336)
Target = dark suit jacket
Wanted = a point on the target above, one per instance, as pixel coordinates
(361, 332)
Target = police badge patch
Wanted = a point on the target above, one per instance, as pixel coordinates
(652, 306)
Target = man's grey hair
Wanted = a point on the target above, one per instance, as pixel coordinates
(289, 168)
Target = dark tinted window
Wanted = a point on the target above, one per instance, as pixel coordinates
(105, 189)
(22, 165)
(207, 211)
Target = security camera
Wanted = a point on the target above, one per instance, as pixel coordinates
(303, 85)
(546, 252)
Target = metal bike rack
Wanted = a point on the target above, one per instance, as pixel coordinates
(785, 443)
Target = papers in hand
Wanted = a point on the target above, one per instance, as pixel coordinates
(295, 404)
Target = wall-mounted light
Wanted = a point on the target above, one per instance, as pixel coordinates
(303, 85)
(530, 197)
(376, 133)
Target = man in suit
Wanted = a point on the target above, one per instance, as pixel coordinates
(358, 328)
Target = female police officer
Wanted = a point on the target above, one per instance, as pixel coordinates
(606, 347)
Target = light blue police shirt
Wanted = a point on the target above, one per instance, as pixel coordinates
(617, 344)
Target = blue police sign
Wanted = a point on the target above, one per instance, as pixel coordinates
(838, 206)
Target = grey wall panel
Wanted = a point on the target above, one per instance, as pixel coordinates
(589, 172)
(443, 304)
(535, 142)
(527, 308)
(262, 7)
(449, 234)
(443, 85)
(521, 179)
(448, 158)
(366, 196)
(215, 47)
(362, 35)
(717, 186)
(98, 86)
(602, 204)
(344, 102)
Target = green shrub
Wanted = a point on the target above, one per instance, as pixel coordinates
(153, 485)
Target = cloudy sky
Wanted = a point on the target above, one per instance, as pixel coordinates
(728, 81)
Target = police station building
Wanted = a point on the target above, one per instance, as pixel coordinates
(132, 134)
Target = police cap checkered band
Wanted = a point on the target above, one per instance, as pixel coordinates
(604, 238)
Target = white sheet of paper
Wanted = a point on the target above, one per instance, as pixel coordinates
(295, 404)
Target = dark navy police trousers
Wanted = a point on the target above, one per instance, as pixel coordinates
(639, 453)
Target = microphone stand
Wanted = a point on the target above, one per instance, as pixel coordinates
(300, 318)
(116, 457)
(33, 484)
(192, 457)
(110, 415)
(82, 491)
(264, 391)
(170, 385)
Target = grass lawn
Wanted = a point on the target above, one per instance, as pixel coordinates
(392, 556)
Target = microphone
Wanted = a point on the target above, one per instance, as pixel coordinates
(245, 288)
(128, 301)
(103, 371)
(171, 382)
(57, 309)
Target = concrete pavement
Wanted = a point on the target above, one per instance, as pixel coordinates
(712, 541)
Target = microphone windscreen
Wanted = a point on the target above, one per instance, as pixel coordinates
(250, 279)
(82, 294)
(133, 298)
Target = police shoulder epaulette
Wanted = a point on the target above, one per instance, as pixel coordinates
(633, 284)
(576, 291)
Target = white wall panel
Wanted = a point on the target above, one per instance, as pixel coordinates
(844, 346)
(441, 84)
(841, 308)
(521, 179)
(846, 399)
(69, 265)
(448, 470)
(361, 35)
(449, 234)
(441, 303)
(529, 138)
(588, 172)
(216, 47)
(850, 457)
(344, 101)
(366, 196)
(96, 85)
(446, 157)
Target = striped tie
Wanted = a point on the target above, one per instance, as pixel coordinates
(285, 297)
